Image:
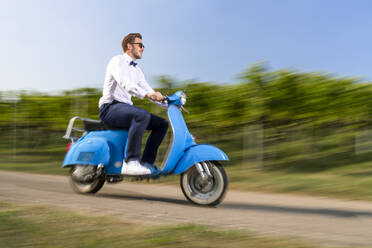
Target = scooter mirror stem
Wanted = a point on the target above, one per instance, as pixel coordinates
(184, 109)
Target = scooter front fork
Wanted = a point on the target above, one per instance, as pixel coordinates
(204, 171)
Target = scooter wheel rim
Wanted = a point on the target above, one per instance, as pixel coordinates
(203, 196)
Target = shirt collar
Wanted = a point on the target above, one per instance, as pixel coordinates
(127, 58)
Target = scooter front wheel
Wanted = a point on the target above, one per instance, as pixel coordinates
(83, 179)
(208, 192)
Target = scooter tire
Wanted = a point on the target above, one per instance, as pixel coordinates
(86, 188)
(211, 196)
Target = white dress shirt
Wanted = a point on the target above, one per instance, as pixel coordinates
(122, 81)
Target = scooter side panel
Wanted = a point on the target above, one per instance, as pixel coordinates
(88, 151)
(110, 153)
(117, 140)
(197, 154)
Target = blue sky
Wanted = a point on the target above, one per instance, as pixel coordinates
(51, 45)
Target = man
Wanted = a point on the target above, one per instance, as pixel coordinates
(123, 80)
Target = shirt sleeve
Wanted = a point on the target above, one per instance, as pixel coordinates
(147, 87)
(121, 74)
(143, 83)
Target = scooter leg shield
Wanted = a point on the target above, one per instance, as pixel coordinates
(197, 154)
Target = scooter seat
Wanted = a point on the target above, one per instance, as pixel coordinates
(97, 125)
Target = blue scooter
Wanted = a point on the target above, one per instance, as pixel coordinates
(97, 157)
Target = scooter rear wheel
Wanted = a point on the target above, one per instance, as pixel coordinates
(80, 182)
(208, 193)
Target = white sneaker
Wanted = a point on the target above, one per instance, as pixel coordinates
(153, 168)
(134, 168)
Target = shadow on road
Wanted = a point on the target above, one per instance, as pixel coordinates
(246, 206)
(296, 210)
(143, 197)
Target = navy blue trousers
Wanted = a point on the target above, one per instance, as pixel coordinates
(136, 120)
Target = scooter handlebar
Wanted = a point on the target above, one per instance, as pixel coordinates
(165, 99)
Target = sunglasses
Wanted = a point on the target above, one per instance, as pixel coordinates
(141, 45)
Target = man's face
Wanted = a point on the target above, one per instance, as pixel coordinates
(135, 48)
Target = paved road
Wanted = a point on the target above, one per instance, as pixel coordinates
(327, 221)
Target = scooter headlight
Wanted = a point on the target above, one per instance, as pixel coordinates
(183, 98)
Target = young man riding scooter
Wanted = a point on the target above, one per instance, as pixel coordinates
(123, 80)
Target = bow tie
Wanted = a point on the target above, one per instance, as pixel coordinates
(133, 63)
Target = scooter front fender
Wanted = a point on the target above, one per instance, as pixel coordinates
(197, 154)
(89, 151)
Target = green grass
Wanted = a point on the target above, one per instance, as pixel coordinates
(40, 160)
(353, 181)
(42, 226)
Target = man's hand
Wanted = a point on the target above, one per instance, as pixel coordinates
(156, 96)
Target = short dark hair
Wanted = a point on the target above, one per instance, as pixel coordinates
(130, 39)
